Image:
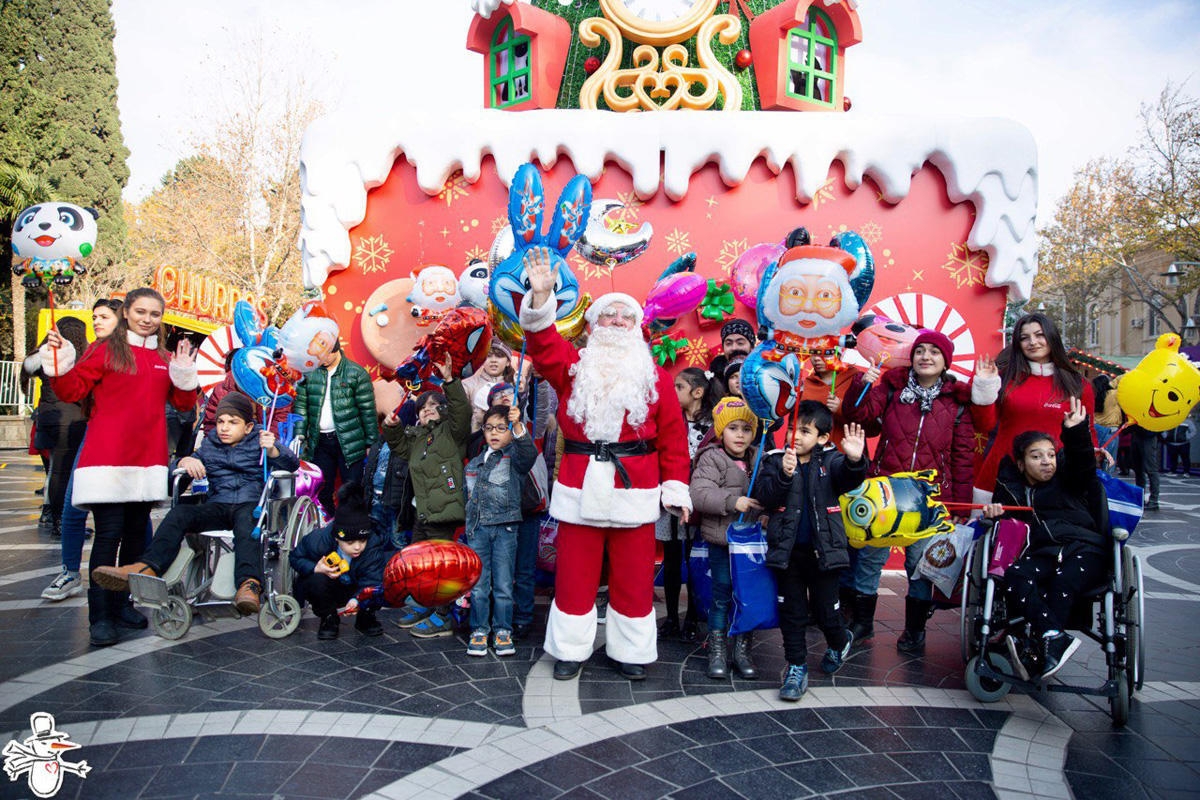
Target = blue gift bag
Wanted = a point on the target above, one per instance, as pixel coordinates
(699, 579)
(754, 593)
(1124, 501)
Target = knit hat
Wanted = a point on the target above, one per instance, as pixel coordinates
(605, 300)
(351, 522)
(734, 366)
(496, 389)
(729, 409)
(738, 327)
(498, 346)
(936, 338)
(236, 404)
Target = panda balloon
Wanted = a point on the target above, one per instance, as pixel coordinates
(50, 240)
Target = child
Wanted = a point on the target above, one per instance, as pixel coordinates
(806, 545)
(336, 563)
(494, 479)
(1067, 553)
(434, 449)
(719, 489)
(231, 459)
(388, 492)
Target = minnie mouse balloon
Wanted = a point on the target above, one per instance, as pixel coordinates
(308, 337)
(266, 381)
(50, 240)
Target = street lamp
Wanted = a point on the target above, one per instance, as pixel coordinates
(1174, 271)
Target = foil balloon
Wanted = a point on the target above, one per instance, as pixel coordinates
(894, 510)
(463, 333)
(308, 337)
(49, 240)
(674, 296)
(770, 387)
(747, 271)
(1158, 394)
(526, 205)
(434, 292)
(882, 341)
(309, 481)
(473, 284)
(267, 381)
(610, 244)
(502, 247)
(251, 327)
(685, 263)
(434, 572)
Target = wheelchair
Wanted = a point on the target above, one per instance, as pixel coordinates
(1111, 614)
(201, 578)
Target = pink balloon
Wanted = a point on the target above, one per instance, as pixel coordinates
(748, 270)
(308, 481)
(675, 295)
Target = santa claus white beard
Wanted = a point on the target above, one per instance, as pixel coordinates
(615, 380)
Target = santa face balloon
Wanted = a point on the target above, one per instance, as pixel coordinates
(50, 239)
(434, 292)
(308, 337)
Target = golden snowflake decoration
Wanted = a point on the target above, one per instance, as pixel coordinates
(630, 203)
(474, 253)
(823, 195)
(456, 186)
(731, 250)
(696, 353)
(871, 232)
(372, 254)
(586, 268)
(678, 242)
(499, 224)
(967, 267)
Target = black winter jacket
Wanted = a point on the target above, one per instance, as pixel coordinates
(365, 571)
(234, 471)
(397, 488)
(780, 497)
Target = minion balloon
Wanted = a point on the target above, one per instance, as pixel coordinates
(894, 510)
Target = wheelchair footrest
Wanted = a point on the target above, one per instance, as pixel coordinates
(147, 590)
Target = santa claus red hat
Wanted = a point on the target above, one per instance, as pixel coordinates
(808, 252)
(605, 300)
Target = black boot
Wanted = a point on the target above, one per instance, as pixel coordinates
(55, 524)
(863, 626)
(846, 595)
(916, 612)
(46, 521)
(102, 632)
(123, 614)
(718, 656)
(742, 661)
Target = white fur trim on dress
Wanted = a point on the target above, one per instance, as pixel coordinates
(570, 637)
(630, 640)
(605, 300)
(184, 377)
(676, 495)
(537, 319)
(985, 389)
(628, 508)
(66, 359)
(119, 485)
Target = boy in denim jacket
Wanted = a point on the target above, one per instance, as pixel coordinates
(494, 479)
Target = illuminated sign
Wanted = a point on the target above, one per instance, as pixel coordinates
(202, 295)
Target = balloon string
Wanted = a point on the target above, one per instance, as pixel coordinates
(1115, 434)
(53, 326)
(520, 370)
(983, 505)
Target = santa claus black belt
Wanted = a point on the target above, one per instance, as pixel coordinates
(611, 451)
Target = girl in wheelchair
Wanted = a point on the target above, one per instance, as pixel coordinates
(1067, 553)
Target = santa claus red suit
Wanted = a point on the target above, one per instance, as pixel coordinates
(626, 455)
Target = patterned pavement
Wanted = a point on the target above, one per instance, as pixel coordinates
(226, 712)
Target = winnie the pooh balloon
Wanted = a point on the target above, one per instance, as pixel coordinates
(50, 240)
(1158, 394)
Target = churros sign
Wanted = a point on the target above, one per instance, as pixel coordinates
(201, 295)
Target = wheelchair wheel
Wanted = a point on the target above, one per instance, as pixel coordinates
(303, 518)
(173, 619)
(987, 690)
(969, 606)
(1118, 705)
(1134, 598)
(284, 621)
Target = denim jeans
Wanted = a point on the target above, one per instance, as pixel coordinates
(523, 575)
(384, 518)
(74, 522)
(868, 566)
(497, 549)
(722, 588)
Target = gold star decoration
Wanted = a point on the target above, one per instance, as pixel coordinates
(918, 274)
(967, 267)
(372, 254)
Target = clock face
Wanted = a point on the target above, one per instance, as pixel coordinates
(658, 22)
(660, 10)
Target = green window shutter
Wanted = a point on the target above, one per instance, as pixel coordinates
(510, 59)
(812, 60)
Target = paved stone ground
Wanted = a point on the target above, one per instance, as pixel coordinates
(226, 712)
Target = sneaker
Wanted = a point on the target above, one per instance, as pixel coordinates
(432, 627)
(67, 584)
(478, 644)
(1014, 657)
(1059, 648)
(411, 614)
(602, 607)
(834, 659)
(795, 682)
(502, 643)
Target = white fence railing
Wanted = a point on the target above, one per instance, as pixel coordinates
(12, 401)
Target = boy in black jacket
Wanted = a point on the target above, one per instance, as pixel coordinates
(806, 544)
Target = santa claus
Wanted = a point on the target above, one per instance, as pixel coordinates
(626, 454)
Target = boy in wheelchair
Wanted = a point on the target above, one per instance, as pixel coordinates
(231, 460)
(1066, 555)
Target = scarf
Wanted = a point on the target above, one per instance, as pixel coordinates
(913, 391)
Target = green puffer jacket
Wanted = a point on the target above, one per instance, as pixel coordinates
(353, 403)
(435, 454)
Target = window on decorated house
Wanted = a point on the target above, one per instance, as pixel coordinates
(510, 66)
(812, 59)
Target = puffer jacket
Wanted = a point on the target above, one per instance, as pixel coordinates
(1060, 506)
(234, 471)
(942, 439)
(435, 454)
(353, 402)
(717, 483)
(366, 571)
(832, 475)
(494, 489)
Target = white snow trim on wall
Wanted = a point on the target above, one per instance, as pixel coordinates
(991, 162)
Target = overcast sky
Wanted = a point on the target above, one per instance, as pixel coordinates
(1073, 71)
